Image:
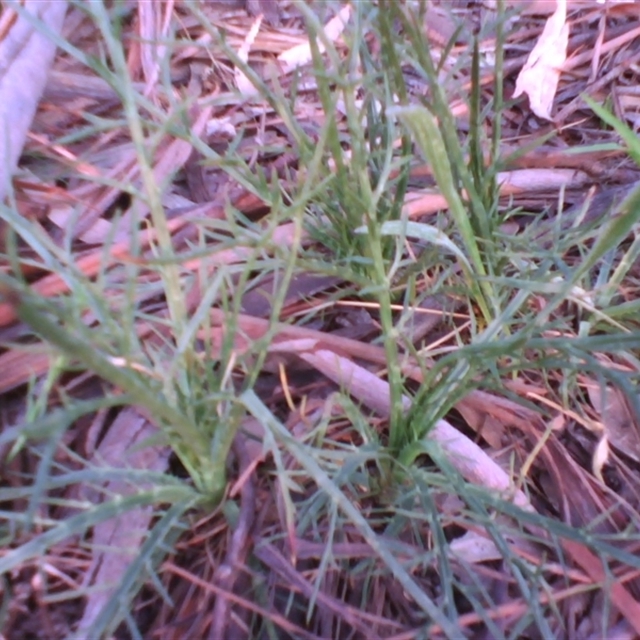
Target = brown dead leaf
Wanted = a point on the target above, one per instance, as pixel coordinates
(485, 425)
(621, 599)
(17, 366)
(618, 420)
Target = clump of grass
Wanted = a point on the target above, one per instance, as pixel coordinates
(145, 329)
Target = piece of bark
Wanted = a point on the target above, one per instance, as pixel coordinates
(26, 55)
(117, 541)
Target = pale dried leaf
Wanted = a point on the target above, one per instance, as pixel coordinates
(540, 75)
(473, 547)
(600, 457)
(244, 85)
(301, 54)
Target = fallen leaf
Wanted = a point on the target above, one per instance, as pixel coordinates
(540, 75)
(301, 53)
(244, 84)
(618, 420)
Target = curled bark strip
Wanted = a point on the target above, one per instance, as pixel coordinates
(115, 542)
(26, 54)
(227, 573)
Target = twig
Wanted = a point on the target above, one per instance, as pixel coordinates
(359, 620)
(226, 574)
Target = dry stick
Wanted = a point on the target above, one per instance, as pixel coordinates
(89, 265)
(226, 574)
(578, 102)
(512, 609)
(611, 45)
(276, 618)
(359, 620)
(621, 599)
(468, 458)
(252, 329)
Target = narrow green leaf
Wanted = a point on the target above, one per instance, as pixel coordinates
(258, 409)
(78, 525)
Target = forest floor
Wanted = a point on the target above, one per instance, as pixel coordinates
(321, 320)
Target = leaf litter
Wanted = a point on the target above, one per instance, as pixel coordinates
(276, 557)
